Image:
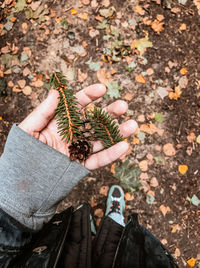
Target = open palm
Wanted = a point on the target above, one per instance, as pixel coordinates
(41, 125)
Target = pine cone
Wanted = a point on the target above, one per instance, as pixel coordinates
(79, 150)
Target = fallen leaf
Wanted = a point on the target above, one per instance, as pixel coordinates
(149, 71)
(128, 96)
(82, 76)
(135, 141)
(150, 199)
(103, 77)
(112, 169)
(37, 83)
(175, 228)
(27, 90)
(105, 3)
(183, 27)
(16, 89)
(169, 150)
(159, 117)
(175, 95)
(141, 45)
(85, 2)
(73, 11)
(175, 10)
(140, 10)
(1, 118)
(5, 50)
(148, 128)
(198, 139)
(177, 253)
(191, 137)
(164, 209)
(26, 71)
(99, 213)
(183, 82)
(191, 262)
(140, 79)
(183, 70)
(21, 83)
(35, 5)
(104, 190)
(93, 33)
(10, 84)
(154, 182)
(20, 5)
(157, 26)
(13, 19)
(182, 169)
(195, 200)
(143, 165)
(160, 17)
(83, 16)
(24, 27)
(129, 197)
(107, 12)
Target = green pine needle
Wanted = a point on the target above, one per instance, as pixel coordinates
(106, 129)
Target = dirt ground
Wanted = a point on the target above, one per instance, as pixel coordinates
(161, 86)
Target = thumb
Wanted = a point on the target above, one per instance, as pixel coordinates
(40, 117)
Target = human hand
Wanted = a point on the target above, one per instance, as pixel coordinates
(41, 125)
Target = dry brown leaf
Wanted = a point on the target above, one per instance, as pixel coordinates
(129, 197)
(144, 176)
(175, 10)
(16, 89)
(99, 213)
(21, 83)
(177, 253)
(169, 149)
(103, 77)
(24, 27)
(164, 209)
(191, 137)
(143, 165)
(82, 76)
(27, 90)
(157, 26)
(104, 190)
(160, 17)
(5, 50)
(154, 182)
(140, 79)
(26, 71)
(83, 16)
(37, 83)
(128, 96)
(35, 5)
(149, 128)
(10, 84)
(149, 71)
(85, 2)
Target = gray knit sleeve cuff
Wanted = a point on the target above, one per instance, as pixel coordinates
(34, 178)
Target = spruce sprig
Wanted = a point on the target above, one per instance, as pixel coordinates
(67, 113)
(106, 129)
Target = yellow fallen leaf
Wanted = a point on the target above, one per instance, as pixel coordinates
(140, 79)
(182, 169)
(1, 118)
(73, 11)
(183, 70)
(191, 262)
(112, 169)
(183, 27)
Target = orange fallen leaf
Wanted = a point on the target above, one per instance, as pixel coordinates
(164, 209)
(13, 19)
(1, 118)
(104, 190)
(73, 11)
(160, 17)
(128, 96)
(183, 70)
(191, 137)
(148, 128)
(169, 150)
(16, 89)
(175, 95)
(140, 79)
(157, 26)
(24, 27)
(10, 84)
(143, 165)
(112, 169)
(175, 228)
(191, 262)
(182, 169)
(183, 27)
(129, 197)
(135, 141)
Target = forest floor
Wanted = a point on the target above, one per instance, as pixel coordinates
(145, 52)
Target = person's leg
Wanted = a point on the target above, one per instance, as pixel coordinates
(106, 241)
(116, 204)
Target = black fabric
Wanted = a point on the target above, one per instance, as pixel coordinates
(76, 252)
(105, 243)
(138, 248)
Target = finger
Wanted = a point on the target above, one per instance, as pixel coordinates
(40, 117)
(117, 108)
(91, 93)
(126, 129)
(107, 156)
